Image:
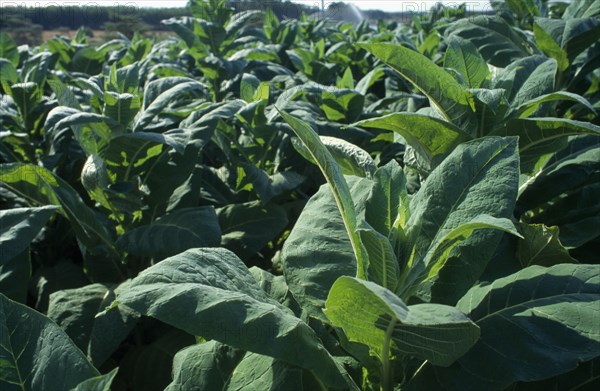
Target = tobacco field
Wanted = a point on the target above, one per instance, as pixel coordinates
(305, 204)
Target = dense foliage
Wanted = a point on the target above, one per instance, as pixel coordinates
(301, 205)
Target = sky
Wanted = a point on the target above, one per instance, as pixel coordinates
(383, 5)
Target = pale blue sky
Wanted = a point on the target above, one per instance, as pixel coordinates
(384, 5)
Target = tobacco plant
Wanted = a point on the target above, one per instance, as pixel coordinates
(257, 203)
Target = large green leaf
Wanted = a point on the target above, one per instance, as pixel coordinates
(352, 160)
(333, 174)
(498, 42)
(211, 293)
(173, 233)
(247, 228)
(342, 105)
(479, 177)
(531, 106)
(267, 186)
(541, 246)
(584, 377)
(75, 311)
(92, 131)
(537, 323)
(450, 98)
(318, 250)
(387, 208)
(432, 138)
(176, 92)
(564, 193)
(215, 366)
(35, 353)
(565, 39)
(206, 366)
(8, 49)
(19, 226)
(259, 372)
(582, 9)
(536, 135)
(383, 264)
(28, 97)
(121, 107)
(463, 56)
(40, 187)
(98, 383)
(438, 254)
(527, 79)
(375, 316)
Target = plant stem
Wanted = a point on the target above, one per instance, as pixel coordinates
(386, 369)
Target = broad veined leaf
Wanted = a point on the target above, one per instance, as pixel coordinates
(173, 233)
(531, 106)
(550, 47)
(211, 293)
(376, 317)
(498, 42)
(343, 105)
(8, 49)
(8, 73)
(27, 97)
(452, 99)
(318, 250)
(98, 383)
(363, 85)
(564, 193)
(432, 138)
(248, 87)
(352, 160)
(19, 226)
(527, 79)
(537, 323)
(205, 366)
(184, 28)
(40, 187)
(438, 253)
(541, 246)
(523, 8)
(121, 107)
(585, 375)
(571, 36)
(259, 372)
(36, 354)
(387, 207)
(92, 131)
(491, 107)
(464, 57)
(75, 311)
(133, 153)
(268, 186)
(582, 9)
(247, 228)
(215, 366)
(165, 98)
(383, 264)
(479, 177)
(536, 135)
(339, 187)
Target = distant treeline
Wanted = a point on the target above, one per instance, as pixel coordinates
(95, 17)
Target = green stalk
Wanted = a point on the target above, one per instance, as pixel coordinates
(386, 369)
